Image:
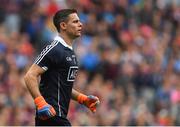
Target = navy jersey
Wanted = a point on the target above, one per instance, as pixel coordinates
(60, 63)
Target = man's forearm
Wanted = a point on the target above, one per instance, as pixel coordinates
(74, 94)
(32, 84)
(77, 96)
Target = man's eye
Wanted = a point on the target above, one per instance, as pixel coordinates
(76, 21)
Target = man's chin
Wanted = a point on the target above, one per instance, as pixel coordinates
(78, 35)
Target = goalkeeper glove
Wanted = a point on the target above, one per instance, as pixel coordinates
(90, 101)
(44, 110)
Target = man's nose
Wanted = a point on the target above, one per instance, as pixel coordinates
(80, 24)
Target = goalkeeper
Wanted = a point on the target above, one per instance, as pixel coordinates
(50, 78)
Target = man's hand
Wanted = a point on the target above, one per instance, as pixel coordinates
(92, 102)
(89, 101)
(44, 110)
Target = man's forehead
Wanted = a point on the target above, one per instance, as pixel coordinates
(73, 16)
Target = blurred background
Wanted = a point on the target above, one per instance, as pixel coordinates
(129, 56)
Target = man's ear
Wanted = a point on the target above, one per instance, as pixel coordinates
(63, 25)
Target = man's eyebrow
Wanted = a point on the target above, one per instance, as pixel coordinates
(76, 20)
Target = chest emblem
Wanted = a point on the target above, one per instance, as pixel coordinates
(68, 58)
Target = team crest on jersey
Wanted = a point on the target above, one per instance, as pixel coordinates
(72, 73)
(68, 58)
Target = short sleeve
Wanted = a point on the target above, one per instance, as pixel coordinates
(46, 59)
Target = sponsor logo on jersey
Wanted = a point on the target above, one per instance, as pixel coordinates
(72, 73)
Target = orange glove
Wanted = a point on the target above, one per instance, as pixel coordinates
(45, 110)
(89, 101)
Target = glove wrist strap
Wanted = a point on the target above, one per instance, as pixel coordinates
(81, 98)
(40, 102)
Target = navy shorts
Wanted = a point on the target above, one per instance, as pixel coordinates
(54, 121)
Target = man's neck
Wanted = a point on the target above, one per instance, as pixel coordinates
(66, 39)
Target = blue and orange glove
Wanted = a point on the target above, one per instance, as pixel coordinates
(90, 101)
(44, 110)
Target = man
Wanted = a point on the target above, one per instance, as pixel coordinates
(56, 68)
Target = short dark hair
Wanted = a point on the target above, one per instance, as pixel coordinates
(62, 16)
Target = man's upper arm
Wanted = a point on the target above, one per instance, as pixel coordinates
(36, 70)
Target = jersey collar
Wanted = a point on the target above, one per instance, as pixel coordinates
(61, 40)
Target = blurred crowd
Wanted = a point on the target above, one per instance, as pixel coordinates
(129, 56)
